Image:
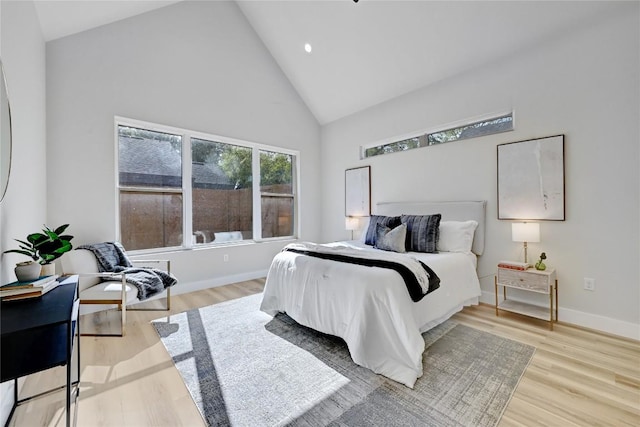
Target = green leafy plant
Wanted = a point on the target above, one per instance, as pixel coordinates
(45, 247)
(540, 265)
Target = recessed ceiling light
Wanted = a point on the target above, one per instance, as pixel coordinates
(307, 48)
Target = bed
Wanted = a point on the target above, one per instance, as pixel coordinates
(370, 307)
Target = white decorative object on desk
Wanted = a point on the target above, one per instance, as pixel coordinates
(27, 271)
(48, 269)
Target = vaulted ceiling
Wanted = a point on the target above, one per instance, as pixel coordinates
(367, 52)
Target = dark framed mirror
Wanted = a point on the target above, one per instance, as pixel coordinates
(5, 134)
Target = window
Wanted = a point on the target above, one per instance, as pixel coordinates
(150, 183)
(471, 130)
(222, 206)
(404, 145)
(183, 189)
(276, 193)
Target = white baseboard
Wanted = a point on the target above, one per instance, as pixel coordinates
(586, 320)
(183, 288)
(600, 323)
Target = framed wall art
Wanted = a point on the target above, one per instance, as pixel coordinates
(531, 179)
(357, 190)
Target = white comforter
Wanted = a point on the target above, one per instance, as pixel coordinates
(369, 307)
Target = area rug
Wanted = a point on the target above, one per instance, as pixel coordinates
(246, 368)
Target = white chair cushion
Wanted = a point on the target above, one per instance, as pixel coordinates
(81, 261)
(108, 291)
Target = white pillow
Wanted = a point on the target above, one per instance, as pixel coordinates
(456, 236)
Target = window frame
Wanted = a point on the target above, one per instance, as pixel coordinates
(186, 188)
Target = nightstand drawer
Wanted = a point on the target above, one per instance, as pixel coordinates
(531, 281)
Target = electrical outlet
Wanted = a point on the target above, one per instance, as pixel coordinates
(589, 284)
(226, 257)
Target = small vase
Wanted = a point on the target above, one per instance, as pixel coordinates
(540, 265)
(48, 270)
(26, 272)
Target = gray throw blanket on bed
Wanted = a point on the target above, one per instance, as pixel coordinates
(112, 258)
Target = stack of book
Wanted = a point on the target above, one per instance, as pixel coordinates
(22, 290)
(514, 265)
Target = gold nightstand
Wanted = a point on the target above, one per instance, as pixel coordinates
(532, 280)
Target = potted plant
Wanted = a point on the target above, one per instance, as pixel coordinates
(540, 265)
(43, 248)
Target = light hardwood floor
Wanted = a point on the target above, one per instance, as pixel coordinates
(576, 377)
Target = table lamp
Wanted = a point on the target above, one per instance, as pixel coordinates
(351, 223)
(525, 232)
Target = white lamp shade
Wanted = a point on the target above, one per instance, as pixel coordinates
(351, 223)
(525, 232)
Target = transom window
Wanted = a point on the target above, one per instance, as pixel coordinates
(185, 189)
(489, 126)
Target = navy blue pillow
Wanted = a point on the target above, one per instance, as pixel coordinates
(388, 221)
(423, 232)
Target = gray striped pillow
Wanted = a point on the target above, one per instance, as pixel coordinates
(423, 232)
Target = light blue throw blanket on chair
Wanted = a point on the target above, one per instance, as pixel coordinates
(112, 258)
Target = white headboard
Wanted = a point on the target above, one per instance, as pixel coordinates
(451, 211)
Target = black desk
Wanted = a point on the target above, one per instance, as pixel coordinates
(38, 334)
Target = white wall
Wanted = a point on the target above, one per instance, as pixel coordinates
(584, 84)
(194, 65)
(24, 207)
